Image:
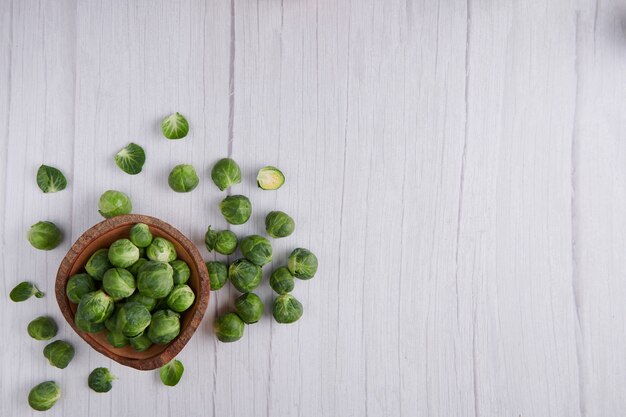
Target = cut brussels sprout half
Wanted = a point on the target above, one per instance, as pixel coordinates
(131, 159)
(270, 178)
(50, 179)
(23, 291)
(175, 126)
(44, 235)
(171, 373)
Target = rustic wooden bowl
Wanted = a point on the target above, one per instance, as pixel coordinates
(101, 236)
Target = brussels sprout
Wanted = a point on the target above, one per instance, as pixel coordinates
(111, 323)
(140, 235)
(165, 326)
(134, 268)
(183, 178)
(59, 353)
(222, 241)
(287, 309)
(181, 298)
(23, 291)
(133, 319)
(155, 279)
(218, 274)
(302, 263)
(131, 159)
(44, 235)
(229, 328)
(79, 285)
(118, 283)
(161, 250)
(123, 253)
(236, 209)
(270, 178)
(100, 380)
(95, 307)
(225, 173)
(147, 302)
(114, 203)
(43, 396)
(249, 307)
(171, 373)
(142, 253)
(256, 249)
(50, 179)
(278, 224)
(281, 280)
(117, 339)
(245, 275)
(42, 328)
(87, 326)
(98, 264)
(181, 271)
(175, 126)
(140, 343)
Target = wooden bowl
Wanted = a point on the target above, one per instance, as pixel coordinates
(102, 235)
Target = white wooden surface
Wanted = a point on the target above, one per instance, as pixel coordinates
(458, 167)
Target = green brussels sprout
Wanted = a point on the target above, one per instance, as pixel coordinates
(134, 268)
(256, 249)
(117, 339)
(23, 291)
(270, 178)
(98, 264)
(114, 203)
(287, 309)
(165, 326)
(249, 307)
(142, 253)
(50, 179)
(118, 283)
(147, 302)
(236, 209)
(79, 285)
(302, 263)
(95, 307)
(181, 298)
(225, 173)
(161, 250)
(44, 235)
(43, 396)
(183, 178)
(218, 274)
(229, 328)
(131, 159)
(281, 280)
(86, 326)
(155, 279)
(245, 275)
(133, 319)
(100, 380)
(140, 343)
(181, 271)
(59, 353)
(123, 253)
(140, 235)
(171, 373)
(111, 323)
(175, 126)
(222, 241)
(42, 328)
(279, 224)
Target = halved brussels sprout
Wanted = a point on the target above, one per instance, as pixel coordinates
(165, 326)
(155, 279)
(245, 275)
(236, 209)
(98, 264)
(59, 353)
(278, 224)
(181, 271)
(131, 159)
(175, 126)
(140, 343)
(161, 250)
(270, 178)
(95, 307)
(229, 328)
(42, 328)
(114, 203)
(249, 307)
(225, 173)
(218, 274)
(132, 319)
(183, 178)
(79, 285)
(287, 309)
(222, 241)
(117, 339)
(44, 235)
(171, 373)
(50, 179)
(118, 283)
(122, 253)
(256, 249)
(43, 396)
(281, 280)
(23, 291)
(100, 380)
(302, 263)
(181, 298)
(140, 235)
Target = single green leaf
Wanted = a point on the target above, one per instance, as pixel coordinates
(50, 179)
(171, 373)
(23, 291)
(175, 126)
(131, 159)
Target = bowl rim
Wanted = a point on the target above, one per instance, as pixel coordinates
(105, 226)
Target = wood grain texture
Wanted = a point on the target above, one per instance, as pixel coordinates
(457, 166)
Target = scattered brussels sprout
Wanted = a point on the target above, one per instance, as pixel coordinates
(133, 319)
(59, 353)
(50, 179)
(279, 224)
(95, 307)
(23, 291)
(100, 380)
(249, 307)
(98, 264)
(175, 126)
(114, 203)
(245, 275)
(181, 271)
(131, 159)
(256, 249)
(302, 263)
(222, 241)
(140, 343)
(79, 285)
(161, 250)
(171, 373)
(229, 328)
(225, 173)
(117, 339)
(281, 280)
(165, 326)
(147, 302)
(122, 253)
(183, 178)
(87, 326)
(155, 279)
(118, 283)
(140, 235)
(287, 309)
(236, 209)
(270, 178)
(218, 274)
(43, 396)
(134, 268)
(42, 328)
(181, 298)
(44, 235)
